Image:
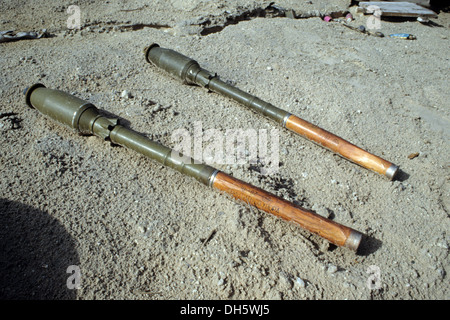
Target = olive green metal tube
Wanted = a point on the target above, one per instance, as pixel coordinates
(132, 140)
(86, 118)
(190, 72)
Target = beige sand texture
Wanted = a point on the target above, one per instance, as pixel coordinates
(138, 230)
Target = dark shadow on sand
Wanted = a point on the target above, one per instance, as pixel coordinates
(35, 253)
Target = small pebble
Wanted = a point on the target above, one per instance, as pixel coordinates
(157, 107)
(332, 268)
(441, 273)
(300, 283)
(125, 94)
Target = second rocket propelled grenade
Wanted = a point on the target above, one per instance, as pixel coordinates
(85, 118)
(190, 72)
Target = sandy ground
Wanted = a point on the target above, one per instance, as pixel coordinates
(137, 230)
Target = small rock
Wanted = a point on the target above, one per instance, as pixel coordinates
(332, 269)
(300, 283)
(441, 273)
(125, 94)
(157, 107)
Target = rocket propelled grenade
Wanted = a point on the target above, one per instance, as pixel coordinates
(190, 72)
(85, 118)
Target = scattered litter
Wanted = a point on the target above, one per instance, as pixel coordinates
(362, 29)
(395, 9)
(6, 36)
(413, 155)
(405, 36)
(348, 18)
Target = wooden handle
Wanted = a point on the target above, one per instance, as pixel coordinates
(334, 232)
(341, 147)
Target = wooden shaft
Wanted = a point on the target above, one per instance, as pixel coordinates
(341, 146)
(334, 232)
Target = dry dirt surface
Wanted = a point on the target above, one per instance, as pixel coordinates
(81, 219)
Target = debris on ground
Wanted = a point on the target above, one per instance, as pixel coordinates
(395, 9)
(405, 36)
(9, 35)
